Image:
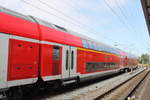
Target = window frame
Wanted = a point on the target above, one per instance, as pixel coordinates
(55, 54)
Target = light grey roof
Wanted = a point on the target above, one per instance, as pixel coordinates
(13, 13)
(43, 22)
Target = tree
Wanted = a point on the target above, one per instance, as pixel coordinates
(144, 59)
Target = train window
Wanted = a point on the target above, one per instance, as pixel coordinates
(89, 67)
(93, 67)
(111, 50)
(103, 65)
(108, 50)
(67, 54)
(93, 45)
(96, 47)
(104, 48)
(111, 65)
(84, 43)
(114, 64)
(97, 66)
(56, 53)
(108, 65)
(72, 59)
(99, 48)
(90, 44)
(87, 44)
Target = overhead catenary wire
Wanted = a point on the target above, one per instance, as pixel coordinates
(48, 12)
(73, 6)
(110, 39)
(124, 15)
(122, 12)
(117, 15)
(76, 24)
(72, 19)
(121, 9)
(82, 24)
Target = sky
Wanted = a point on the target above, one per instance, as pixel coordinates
(119, 23)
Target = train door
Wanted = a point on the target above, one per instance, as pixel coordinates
(73, 54)
(23, 59)
(69, 62)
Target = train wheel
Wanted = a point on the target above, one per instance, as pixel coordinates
(15, 94)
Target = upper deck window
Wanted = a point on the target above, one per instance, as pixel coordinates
(95, 46)
(84, 43)
(90, 45)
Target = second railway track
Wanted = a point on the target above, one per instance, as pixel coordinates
(124, 90)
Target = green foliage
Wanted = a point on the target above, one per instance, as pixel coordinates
(144, 59)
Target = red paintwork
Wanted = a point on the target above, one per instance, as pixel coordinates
(56, 65)
(46, 67)
(53, 35)
(131, 61)
(23, 60)
(16, 26)
(46, 60)
(13, 25)
(87, 56)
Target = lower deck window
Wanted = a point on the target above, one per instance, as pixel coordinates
(97, 66)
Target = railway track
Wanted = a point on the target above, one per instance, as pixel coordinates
(141, 90)
(126, 89)
(99, 90)
(50, 94)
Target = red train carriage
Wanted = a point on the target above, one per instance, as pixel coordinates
(32, 50)
(128, 61)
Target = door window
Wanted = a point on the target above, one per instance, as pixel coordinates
(72, 59)
(56, 53)
(67, 54)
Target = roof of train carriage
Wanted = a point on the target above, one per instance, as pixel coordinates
(96, 45)
(11, 22)
(14, 23)
(146, 9)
